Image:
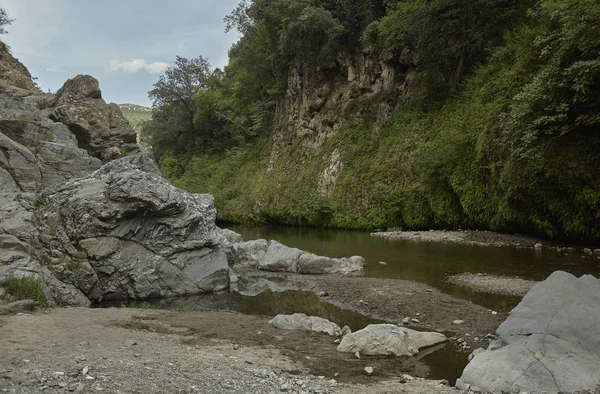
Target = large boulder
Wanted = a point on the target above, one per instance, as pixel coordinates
(300, 321)
(125, 232)
(389, 339)
(100, 128)
(274, 256)
(549, 343)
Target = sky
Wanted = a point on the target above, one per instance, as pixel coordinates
(125, 44)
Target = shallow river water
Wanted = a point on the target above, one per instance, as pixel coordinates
(425, 262)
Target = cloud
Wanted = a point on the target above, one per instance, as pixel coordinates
(134, 65)
(55, 70)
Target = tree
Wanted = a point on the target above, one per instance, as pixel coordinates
(179, 84)
(5, 20)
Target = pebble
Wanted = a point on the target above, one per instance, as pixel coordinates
(458, 321)
(494, 313)
(383, 262)
(430, 290)
(406, 320)
(85, 370)
(84, 343)
(322, 293)
(357, 354)
(130, 342)
(368, 371)
(414, 320)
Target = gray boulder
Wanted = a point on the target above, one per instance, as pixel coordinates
(388, 339)
(549, 343)
(300, 321)
(125, 232)
(274, 256)
(309, 263)
(99, 127)
(18, 307)
(250, 253)
(280, 258)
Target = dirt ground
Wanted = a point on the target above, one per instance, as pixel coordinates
(126, 350)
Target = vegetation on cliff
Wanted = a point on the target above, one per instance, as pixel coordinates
(495, 125)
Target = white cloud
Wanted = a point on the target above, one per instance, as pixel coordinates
(134, 65)
(157, 67)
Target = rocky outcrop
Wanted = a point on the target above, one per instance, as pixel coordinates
(389, 339)
(72, 232)
(549, 343)
(100, 128)
(125, 232)
(276, 257)
(15, 78)
(300, 321)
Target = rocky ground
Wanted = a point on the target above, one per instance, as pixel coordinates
(481, 238)
(493, 283)
(394, 300)
(123, 350)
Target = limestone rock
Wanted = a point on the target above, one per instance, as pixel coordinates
(300, 321)
(280, 258)
(549, 342)
(250, 253)
(125, 232)
(14, 76)
(388, 339)
(309, 263)
(100, 128)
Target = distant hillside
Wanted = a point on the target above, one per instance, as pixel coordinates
(136, 114)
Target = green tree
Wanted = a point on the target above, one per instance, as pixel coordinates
(5, 20)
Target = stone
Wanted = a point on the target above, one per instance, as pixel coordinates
(475, 353)
(322, 293)
(458, 321)
(415, 320)
(357, 354)
(232, 236)
(406, 320)
(346, 330)
(383, 263)
(18, 307)
(368, 371)
(280, 258)
(388, 339)
(100, 128)
(130, 342)
(300, 321)
(250, 253)
(537, 246)
(548, 343)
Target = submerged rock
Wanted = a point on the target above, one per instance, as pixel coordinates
(300, 321)
(388, 339)
(549, 343)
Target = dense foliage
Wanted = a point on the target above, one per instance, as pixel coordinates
(504, 135)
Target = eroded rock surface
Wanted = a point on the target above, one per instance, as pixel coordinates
(388, 339)
(276, 257)
(100, 128)
(300, 321)
(549, 343)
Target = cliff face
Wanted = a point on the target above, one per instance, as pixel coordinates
(73, 231)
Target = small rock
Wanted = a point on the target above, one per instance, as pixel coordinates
(458, 321)
(346, 330)
(285, 387)
(84, 343)
(85, 370)
(415, 320)
(407, 377)
(236, 346)
(80, 387)
(494, 313)
(335, 375)
(337, 341)
(368, 371)
(130, 342)
(537, 246)
(406, 320)
(322, 293)
(444, 382)
(430, 290)
(80, 359)
(383, 262)
(462, 386)
(59, 373)
(357, 354)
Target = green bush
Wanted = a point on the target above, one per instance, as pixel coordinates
(27, 288)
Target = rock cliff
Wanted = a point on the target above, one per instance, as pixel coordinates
(73, 231)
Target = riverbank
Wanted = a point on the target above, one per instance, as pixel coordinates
(394, 300)
(480, 238)
(149, 351)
